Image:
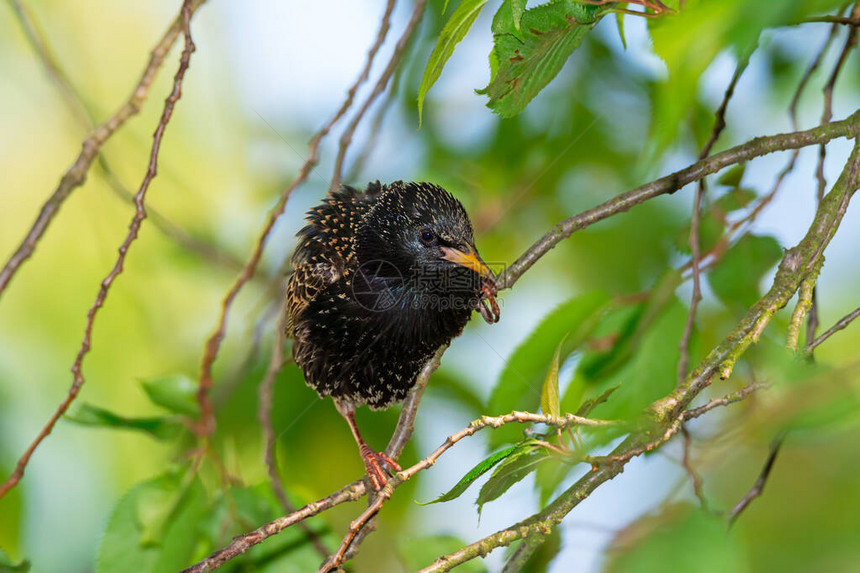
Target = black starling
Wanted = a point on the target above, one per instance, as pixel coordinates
(380, 280)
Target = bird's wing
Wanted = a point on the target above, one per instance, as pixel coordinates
(324, 254)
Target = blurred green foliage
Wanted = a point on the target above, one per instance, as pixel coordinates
(588, 118)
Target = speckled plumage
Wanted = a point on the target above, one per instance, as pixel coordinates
(350, 348)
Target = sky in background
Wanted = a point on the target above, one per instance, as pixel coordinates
(285, 66)
(293, 74)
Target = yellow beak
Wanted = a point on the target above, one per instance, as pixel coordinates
(470, 260)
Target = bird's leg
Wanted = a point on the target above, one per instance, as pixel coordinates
(372, 460)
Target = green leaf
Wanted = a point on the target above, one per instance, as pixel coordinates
(176, 392)
(154, 527)
(6, 565)
(600, 366)
(516, 467)
(159, 427)
(619, 19)
(452, 33)
(736, 278)
(476, 472)
(549, 393)
(735, 199)
(507, 19)
(548, 475)
(732, 177)
(589, 405)
(711, 229)
(518, 387)
(807, 396)
(11, 509)
(550, 33)
(418, 552)
(689, 40)
(241, 509)
(651, 371)
(182, 533)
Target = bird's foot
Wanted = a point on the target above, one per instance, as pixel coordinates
(373, 463)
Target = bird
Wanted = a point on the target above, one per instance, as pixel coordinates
(380, 280)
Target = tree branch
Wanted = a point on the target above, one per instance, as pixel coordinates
(378, 89)
(695, 478)
(840, 324)
(758, 487)
(725, 400)
(265, 393)
(241, 543)
(804, 304)
(356, 490)
(384, 495)
(665, 417)
(84, 115)
(667, 413)
(694, 241)
(75, 176)
(853, 21)
(675, 181)
(213, 344)
(134, 227)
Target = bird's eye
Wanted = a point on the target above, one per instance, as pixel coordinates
(427, 236)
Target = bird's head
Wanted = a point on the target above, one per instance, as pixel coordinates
(424, 233)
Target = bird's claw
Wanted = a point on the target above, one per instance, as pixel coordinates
(373, 463)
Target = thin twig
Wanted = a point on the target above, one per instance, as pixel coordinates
(207, 416)
(85, 116)
(695, 478)
(812, 322)
(520, 557)
(725, 400)
(827, 113)
(402, 434)
(670, 183)
(264, 415)
(205, 249)
(670, 409)
(694, 240)
(483, 422)
(134, 227)
(852, 21)
(826, 116)
(695, 250)
(738, 227)
(75, 176)
(840, 324)
(376, 125)
(604, 469)
(758, 487)
(745, 333)
(720, 114)
(36, 37)
(356, 490)
(378, 89)
(241, 543)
